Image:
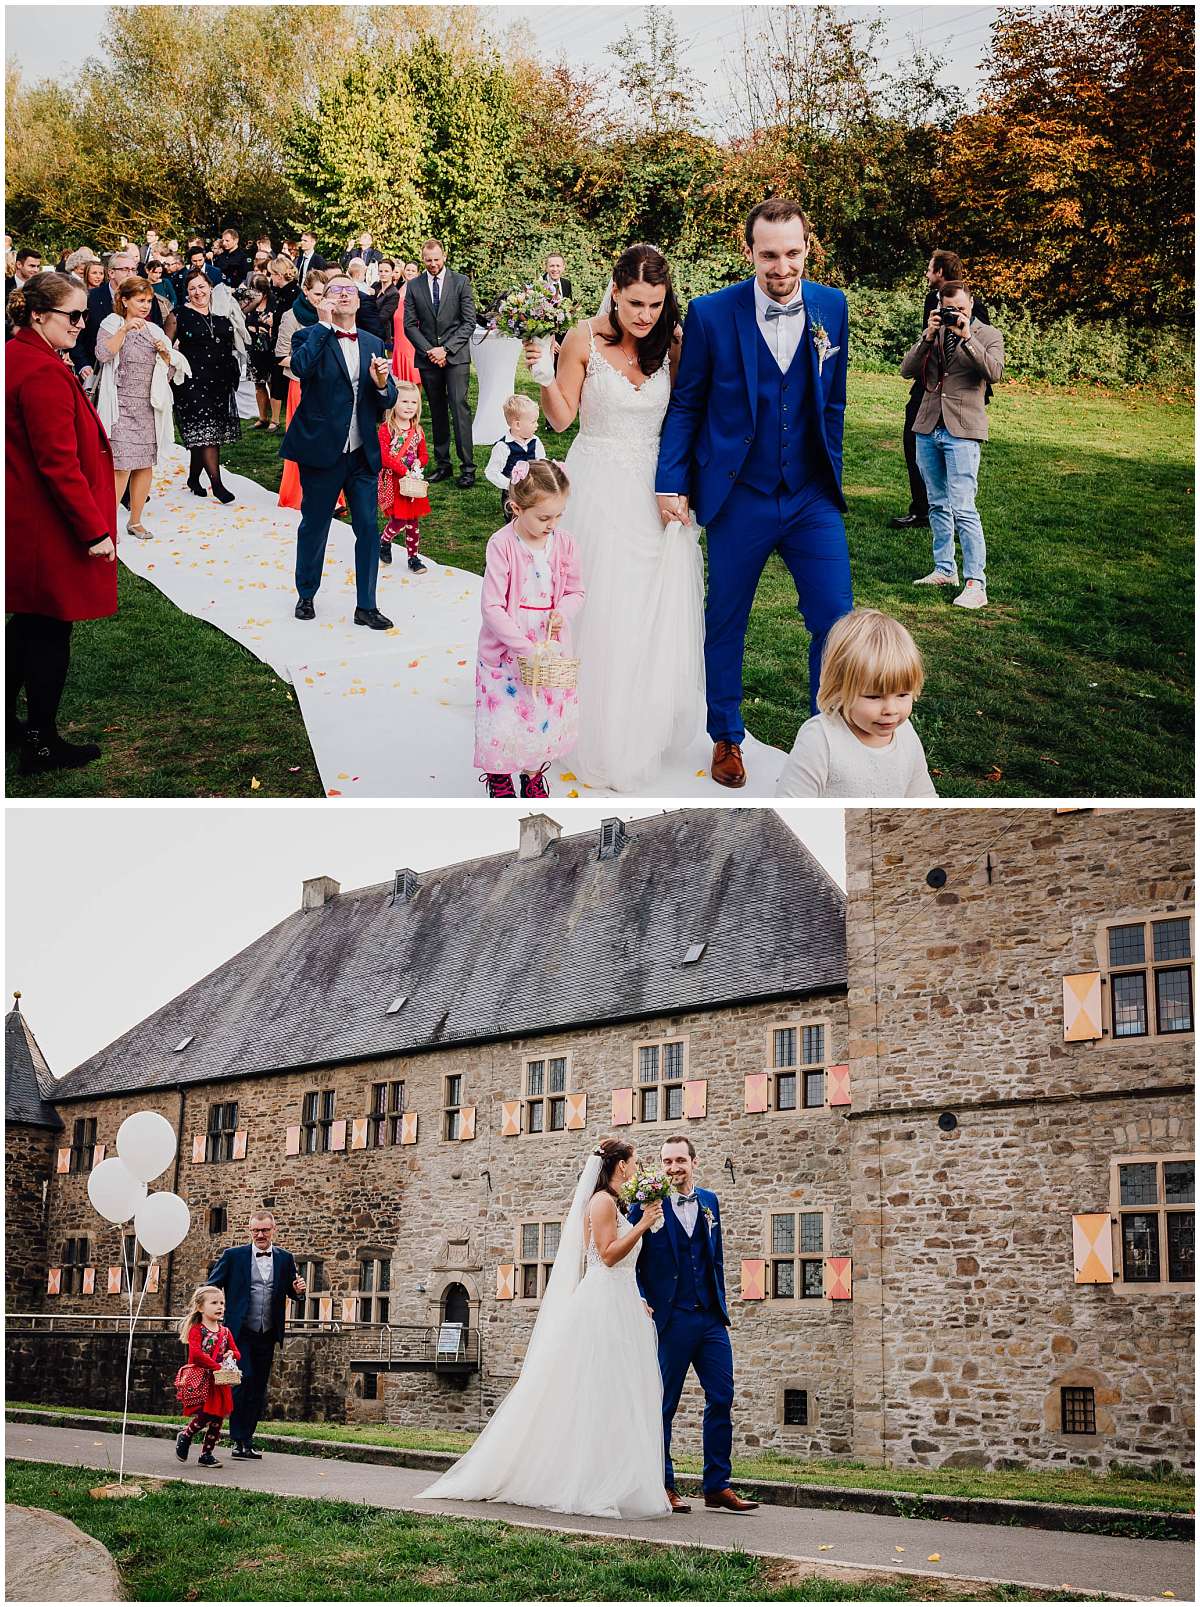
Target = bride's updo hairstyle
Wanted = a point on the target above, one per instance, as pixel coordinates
(645, 264)
(612, 1151)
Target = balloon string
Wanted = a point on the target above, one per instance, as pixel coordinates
(133, 1317)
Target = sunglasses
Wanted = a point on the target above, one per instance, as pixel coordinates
(76, 318)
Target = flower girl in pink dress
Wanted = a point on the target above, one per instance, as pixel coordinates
(531, 593)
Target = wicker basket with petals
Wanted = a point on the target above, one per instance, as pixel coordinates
(541, 668)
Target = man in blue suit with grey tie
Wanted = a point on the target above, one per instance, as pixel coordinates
(752, 441)
(346, 386)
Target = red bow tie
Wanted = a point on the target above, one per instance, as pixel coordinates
(342, 334)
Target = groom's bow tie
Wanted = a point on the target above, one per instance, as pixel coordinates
(776, 311)
(685, 1199)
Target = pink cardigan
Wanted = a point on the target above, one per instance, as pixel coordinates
(500, 637)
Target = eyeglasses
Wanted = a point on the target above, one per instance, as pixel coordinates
(76, 318)
(341, 290)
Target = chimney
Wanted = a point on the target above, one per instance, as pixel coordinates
(404, 886)
(319, 891)
(612, 838)
(537, 833)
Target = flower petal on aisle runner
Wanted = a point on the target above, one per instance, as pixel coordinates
(394, 710)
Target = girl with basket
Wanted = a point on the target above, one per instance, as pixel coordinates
(526, 705)
(402, 492)
(205, 1383)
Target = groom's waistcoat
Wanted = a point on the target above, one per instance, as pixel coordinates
(697, 1286)
(785, 451)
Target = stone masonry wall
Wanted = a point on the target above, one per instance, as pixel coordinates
(28, 1161)
(967, 1317)
(449, 1212)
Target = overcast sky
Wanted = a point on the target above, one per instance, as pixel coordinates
(53, 40)
(112, 910)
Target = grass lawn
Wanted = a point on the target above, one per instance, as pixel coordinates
(1075, 682)
(184, 1542)
(1074, 1486)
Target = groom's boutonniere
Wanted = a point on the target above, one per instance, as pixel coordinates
(820, 337)
(709, 1218)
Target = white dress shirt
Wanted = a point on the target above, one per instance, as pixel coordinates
(686, 1212)
(440, 280)
(782, 335)
(495, 464)
(348, 351)
(265, 1267)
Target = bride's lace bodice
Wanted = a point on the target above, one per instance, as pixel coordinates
(617, 416)
(627, 1265)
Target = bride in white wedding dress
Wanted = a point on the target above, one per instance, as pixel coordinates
(640, 635)
(590, 1385)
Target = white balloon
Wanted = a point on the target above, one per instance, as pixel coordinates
(114, 1191)
(161, 1223)
(146, 1143)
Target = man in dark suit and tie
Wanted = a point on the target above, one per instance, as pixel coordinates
(309, 256)
(258, 1279)
(346, 386)
(555, 276)
(439, 317)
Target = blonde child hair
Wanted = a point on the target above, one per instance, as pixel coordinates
(399, 427)
(867, 651)
(516, 404)
(545, 479)
(199, 1295)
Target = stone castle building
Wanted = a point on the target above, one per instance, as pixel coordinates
(949, 1118)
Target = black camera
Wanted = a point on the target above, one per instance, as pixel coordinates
(951, 318)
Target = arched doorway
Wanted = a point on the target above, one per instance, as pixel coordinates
(456, 1305)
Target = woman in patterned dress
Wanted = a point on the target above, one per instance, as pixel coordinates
(206, 408)
(127, 347)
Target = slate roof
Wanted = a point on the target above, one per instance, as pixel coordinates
(503, 947)
(27, 1077)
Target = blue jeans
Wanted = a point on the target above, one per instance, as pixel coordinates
(949, 466)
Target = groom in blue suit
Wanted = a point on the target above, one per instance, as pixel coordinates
(752, 441)
(345, 388)
(681, 1277)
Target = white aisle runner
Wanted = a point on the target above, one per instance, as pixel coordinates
(389, 714)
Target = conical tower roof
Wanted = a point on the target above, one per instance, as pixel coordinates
(28, 1081)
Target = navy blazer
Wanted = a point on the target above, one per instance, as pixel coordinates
(321, 422)
(234, 1269)
(709, 426)
(658, 1263)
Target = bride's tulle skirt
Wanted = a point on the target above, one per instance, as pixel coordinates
(640, 634)
(581, 1429)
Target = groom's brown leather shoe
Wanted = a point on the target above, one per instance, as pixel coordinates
(727, 767)
(729, 1501)
(678, 1504)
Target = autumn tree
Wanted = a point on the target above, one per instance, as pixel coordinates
(663, 94)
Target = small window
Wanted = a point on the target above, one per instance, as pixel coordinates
(452, 1114)
(694, 953)
(313, 1273)
(370, 1386)
(1079, 1410)
(544, 1096)
(1149, 993)
(661, 1070)
(183, 1043)
(387, 1112)
(316, 1120)
(76, 1255)
(136, 1260)
(1154, 1203)
(797, 1251)
(373, 1297)
(218, 1219)
(222, 1125)
(83, 1144)
(394, 1009)
(797, 1074)
(795, 1408)
(538, 1246)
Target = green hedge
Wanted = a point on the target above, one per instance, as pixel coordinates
(884, 324)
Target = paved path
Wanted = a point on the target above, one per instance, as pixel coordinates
(46, 1558)
(1136, 1570)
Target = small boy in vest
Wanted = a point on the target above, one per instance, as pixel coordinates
(518, 444)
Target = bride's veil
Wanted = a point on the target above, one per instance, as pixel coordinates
(567, 1269)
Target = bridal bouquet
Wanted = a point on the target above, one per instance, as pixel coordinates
(644, 1189)
(534, 312)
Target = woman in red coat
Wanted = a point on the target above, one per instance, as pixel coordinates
(60, 519)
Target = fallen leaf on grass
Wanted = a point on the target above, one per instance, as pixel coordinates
(994, 774)
(255, 784)
(1046, 759)
(292, 769)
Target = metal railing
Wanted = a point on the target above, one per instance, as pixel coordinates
(413, 1343)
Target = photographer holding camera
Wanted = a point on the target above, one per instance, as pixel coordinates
(953, 362)
(943, 266)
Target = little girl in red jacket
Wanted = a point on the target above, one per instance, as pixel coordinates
(210, 1346)
(404, 452)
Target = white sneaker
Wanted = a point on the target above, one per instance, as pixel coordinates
(972, 595)
(936, 578)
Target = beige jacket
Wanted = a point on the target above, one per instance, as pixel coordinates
(959, 403)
